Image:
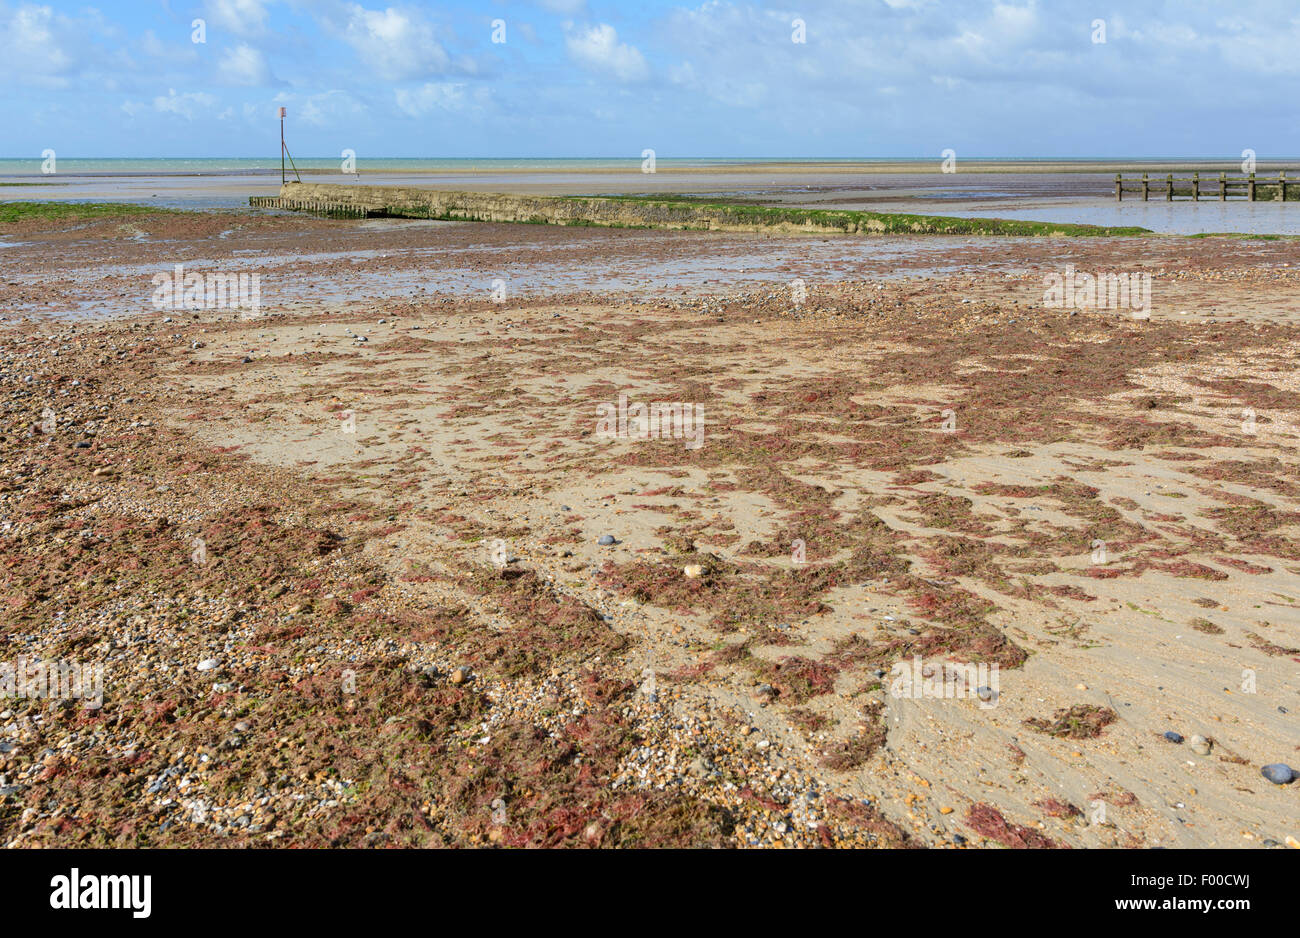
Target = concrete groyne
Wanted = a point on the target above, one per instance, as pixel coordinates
(401, 202)
(361, 201)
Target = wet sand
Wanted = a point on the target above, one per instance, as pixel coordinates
(400, 478)
(106, 268)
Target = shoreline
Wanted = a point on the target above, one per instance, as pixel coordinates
(1049, 196)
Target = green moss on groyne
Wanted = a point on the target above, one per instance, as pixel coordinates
(644, 212)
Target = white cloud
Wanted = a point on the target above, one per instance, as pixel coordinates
(430, 96)
(598, 48)
(244, 65)
(397, 44)
(335, 109)
(1012, 22)
(37, 46)
(563, 7)
(189, 105)
(241, 17)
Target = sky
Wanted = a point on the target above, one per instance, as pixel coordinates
(586, 78)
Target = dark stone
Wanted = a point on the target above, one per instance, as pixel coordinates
(1278, 773)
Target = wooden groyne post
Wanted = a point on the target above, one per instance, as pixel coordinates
(1190, 188)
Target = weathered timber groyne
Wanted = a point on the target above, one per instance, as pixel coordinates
(362, 201)
(1225, 188)
(312, 206)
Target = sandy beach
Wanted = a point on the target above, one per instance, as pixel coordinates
(934, 563)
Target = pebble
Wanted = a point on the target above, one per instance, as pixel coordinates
(458, 676)
(1200, 745)
(987, 694)
(606, 540)
(208, 664)
(1278, 773)
(693, 571)
(1173, 737)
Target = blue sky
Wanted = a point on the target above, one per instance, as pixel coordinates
(585, 78)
